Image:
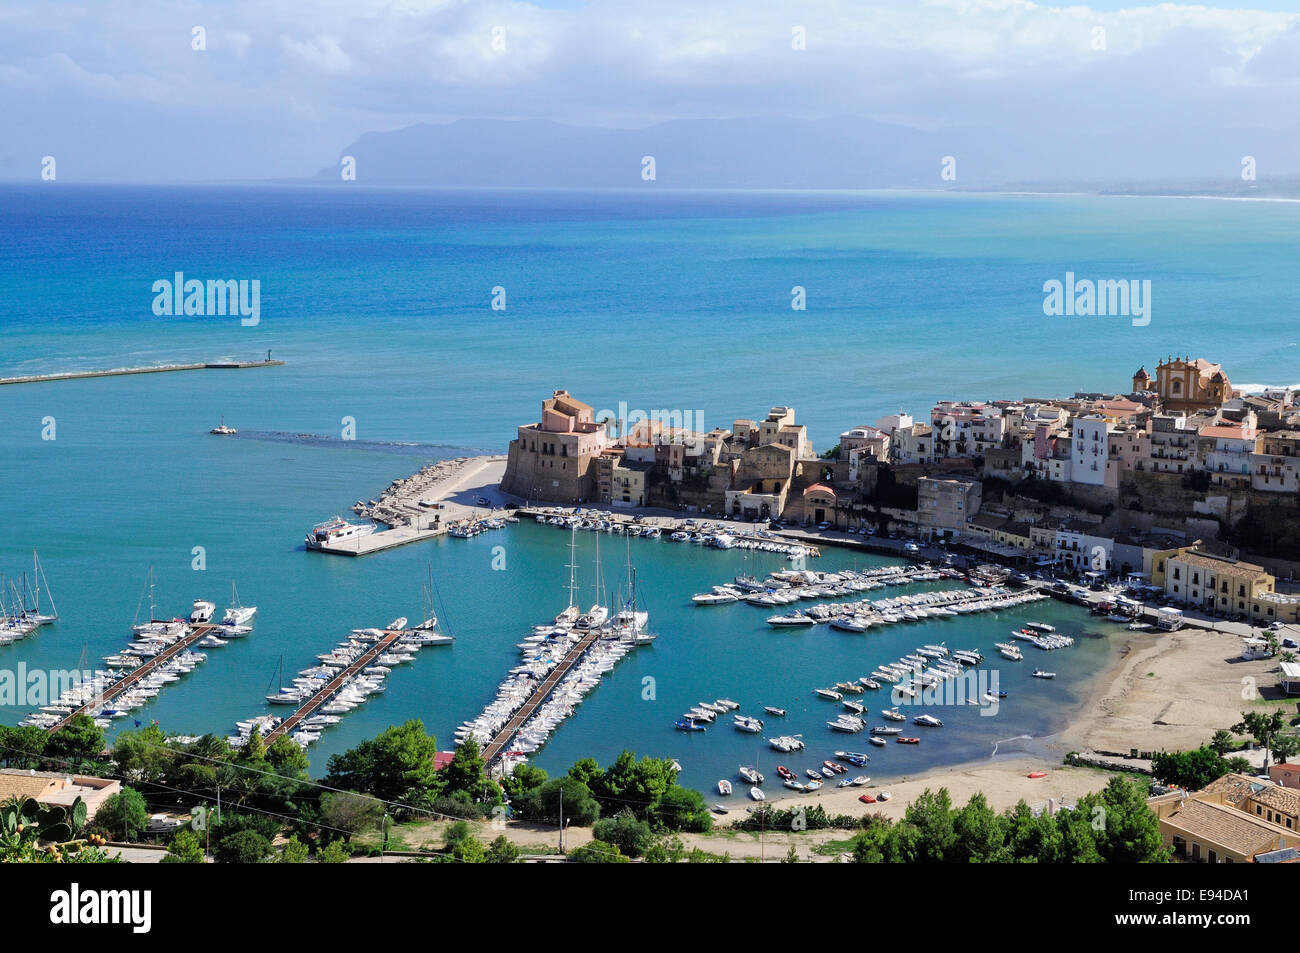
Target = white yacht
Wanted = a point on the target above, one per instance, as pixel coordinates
(336, 530)
(237, 614)
(202, 611)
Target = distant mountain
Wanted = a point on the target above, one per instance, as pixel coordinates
(774, 152)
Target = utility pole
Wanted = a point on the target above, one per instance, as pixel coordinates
(561, 820)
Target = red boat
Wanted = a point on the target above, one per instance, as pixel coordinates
(1038, 774)
(785, 772)
(908, 741)
(867, 799)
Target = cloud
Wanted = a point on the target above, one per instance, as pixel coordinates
(343, 67)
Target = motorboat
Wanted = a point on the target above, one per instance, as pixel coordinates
(687, 724)
(908, 741)
(927, 721)
(724, 786)
(1039, 673)
(861, 781)
(829, 693)
(772, 710)
(877, 741)
(750, 774)
(893, 714)
(237, 614)
(202, 611)
(757, 794)
(221, 430)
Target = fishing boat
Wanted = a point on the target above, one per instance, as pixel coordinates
(221, 430)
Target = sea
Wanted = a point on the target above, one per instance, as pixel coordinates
(381, 304)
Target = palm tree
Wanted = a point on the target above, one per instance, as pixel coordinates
(1221, 743)
(1263, 728)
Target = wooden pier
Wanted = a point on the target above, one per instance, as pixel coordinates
(126, 371)
(332, 687)
(539, 695)
(99, 702)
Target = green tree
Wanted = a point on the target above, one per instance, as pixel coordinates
(791, 856)
(501, 851)
(23, 746)
(395, 766)
(294, 852)
(567, 795)
(978, 832)
(123, 815)
(624, 830)
(335, 852)
(1189, 769)
(242, 847)
(350, 813)
(1221, 743)
(1285, 747)
(80, 740)
(1262, 727)
(185, 848)
(1129, 829)
(597, 852)
(467, 773)
(683, 809)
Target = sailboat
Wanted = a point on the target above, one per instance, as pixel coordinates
(424, 634)
(153, 628)
(571, 612)
(630, 623)
(237, 614)
(34, 615)
(292, 695)
(597, 615)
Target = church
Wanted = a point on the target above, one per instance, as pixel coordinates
(1186, 386)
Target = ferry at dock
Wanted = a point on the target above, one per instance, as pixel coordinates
(336, 530)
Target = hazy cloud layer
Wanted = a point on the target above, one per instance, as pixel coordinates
(115, 90)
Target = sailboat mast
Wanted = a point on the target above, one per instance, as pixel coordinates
(39, 570)
(573, 564)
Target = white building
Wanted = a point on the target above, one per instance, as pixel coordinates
(1090, 451)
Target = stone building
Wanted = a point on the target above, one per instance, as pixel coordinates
(555, 458)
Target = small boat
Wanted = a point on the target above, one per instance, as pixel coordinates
(1037, 774)
(877, 740)
(221, 430)
(750, 774)
(928, 721)
(860, 781)
(893, 714)
(829, 693)
(757, 794)
(772, 710)
(867, 799)
(719, 809)
(813, 773)
(885, 730)
(724, 786)
(908, 741)
(687, 724)
(785, 773)
(813, 786)
(883, 796)
(1039, 673)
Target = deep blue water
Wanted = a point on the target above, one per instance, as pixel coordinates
(379, 302)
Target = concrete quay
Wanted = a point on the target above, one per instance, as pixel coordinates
(127, 371)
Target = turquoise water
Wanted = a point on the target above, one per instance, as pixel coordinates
(379, 301)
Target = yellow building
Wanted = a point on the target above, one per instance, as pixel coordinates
(1214, 583)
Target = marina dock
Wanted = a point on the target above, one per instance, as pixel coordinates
(362, 661)
(126, 371)
(127, 681)
(384, 539)
(544, 688)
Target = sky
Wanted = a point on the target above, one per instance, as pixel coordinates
(166, 91)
